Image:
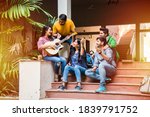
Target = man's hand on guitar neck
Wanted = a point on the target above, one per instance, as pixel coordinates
(57, 36)
(68, 36)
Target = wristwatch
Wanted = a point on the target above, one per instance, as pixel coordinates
(100, 52)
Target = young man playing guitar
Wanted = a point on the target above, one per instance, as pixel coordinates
(65, 29)
(46, 41)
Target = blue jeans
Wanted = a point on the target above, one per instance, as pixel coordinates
(77, 70)
(56, 60)
(101, 73)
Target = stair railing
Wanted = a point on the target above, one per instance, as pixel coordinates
(131, 50)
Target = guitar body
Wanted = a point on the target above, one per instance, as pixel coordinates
(53, 51)
(58, 46)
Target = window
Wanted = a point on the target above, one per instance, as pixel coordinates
(144, 26)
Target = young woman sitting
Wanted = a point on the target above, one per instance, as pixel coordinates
(76, 64)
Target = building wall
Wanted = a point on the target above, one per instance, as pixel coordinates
(48, 5)
(100, 13)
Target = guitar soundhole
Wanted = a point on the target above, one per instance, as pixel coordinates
(57, 44)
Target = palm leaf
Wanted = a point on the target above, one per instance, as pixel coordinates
(52, 20)
(12, 29)
(46, 13)
(16, 9)
(22, 10)
(34, 23)
(10, 84)
(4, 71)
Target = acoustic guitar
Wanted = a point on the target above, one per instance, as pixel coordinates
(58, 45)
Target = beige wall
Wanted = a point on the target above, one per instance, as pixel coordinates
(91, 38)
(117, 31)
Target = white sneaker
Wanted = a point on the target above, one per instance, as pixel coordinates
(56, 79)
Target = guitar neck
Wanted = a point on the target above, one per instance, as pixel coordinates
(64, 39)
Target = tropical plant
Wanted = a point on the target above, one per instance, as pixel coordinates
(13, 45)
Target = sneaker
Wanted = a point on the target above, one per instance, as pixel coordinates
(56, 78)
(102, 88)
(108, 80)
(62, 87)
(78, 88)
(61, 78)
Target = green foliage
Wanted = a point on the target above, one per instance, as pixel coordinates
(34, 23)
(8, 79)
(7, 88)
(16, 9)
(51, 21)
(13, 44)
(12, 29)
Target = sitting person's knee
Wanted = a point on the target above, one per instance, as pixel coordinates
(87, 72)
(101, 66)
(67, 67)
(76, 66)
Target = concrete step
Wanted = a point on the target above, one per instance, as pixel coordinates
(125, 85)
(121, 87)
(90, 94)
(131, 64)
(137, 79)
(133, 71)
(118, 79)
(59, 98)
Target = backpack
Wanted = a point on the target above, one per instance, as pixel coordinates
(89, 60)
(145, 85)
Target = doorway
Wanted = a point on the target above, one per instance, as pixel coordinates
(145, 42)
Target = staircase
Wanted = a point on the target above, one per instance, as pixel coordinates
(124, 86)
(124, 45)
